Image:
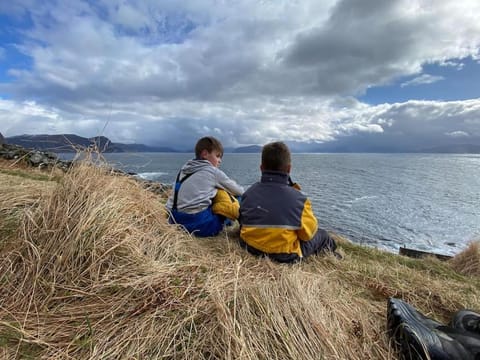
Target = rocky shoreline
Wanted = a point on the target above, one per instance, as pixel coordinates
(48, 160)
(32, 157)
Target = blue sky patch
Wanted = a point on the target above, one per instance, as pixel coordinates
(10, 36)
(454, 83)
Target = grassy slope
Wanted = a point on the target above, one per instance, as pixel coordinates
(91, 269)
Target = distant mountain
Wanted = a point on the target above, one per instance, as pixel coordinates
(248, 149)
(73, 143)
(345, 146)
(454, 149)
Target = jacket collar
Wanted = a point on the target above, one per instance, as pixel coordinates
(274, 177)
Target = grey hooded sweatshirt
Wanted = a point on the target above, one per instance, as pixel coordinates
(196, 192)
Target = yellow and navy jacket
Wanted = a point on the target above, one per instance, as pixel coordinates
(275, 217)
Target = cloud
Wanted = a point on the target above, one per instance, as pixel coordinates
(455, 64)
(457, 134)
(414, 125)
(373, 42)
(130, 17)
(250, 71)
(422, 79)
(135, 50)
(404, 126)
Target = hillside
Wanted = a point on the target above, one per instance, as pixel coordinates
(248, 149)
(454, 149)
(74, 143)
(91, 269)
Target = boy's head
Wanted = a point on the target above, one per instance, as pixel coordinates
(209, 148)
(276, 157)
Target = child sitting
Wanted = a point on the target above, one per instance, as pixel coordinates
(197, 184)
(276, 218)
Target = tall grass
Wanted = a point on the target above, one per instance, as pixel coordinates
(468, 261)
(97, 272)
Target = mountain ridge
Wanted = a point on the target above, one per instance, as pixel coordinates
(72, 143)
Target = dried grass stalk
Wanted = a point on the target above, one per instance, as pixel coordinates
(467, 262)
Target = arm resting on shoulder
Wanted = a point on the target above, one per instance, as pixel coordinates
(224, 182)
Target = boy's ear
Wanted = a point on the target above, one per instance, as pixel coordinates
(289, 167)
(261, 167)
(203, 154)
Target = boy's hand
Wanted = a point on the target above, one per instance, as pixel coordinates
(294, 185)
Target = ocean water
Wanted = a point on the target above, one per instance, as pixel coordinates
(428, 202)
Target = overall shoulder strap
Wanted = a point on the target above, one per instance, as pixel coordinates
(178, 183)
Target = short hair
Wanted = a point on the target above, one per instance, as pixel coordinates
(208, 143)
(276, 157)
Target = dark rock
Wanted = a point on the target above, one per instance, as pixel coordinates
(9, 155)
(421, 254)
(155, 187)
(41, 159)
(2, 140)
(51, 155)
(37, 158)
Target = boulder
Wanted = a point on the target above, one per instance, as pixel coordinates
(37, 158)
(2, 140)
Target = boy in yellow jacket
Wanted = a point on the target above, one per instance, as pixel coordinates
(276, 218)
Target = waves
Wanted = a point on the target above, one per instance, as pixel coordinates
(153, 176)
(427, 202)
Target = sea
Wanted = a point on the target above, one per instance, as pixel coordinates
(428, 202)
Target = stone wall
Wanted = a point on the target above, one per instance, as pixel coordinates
(36, 158)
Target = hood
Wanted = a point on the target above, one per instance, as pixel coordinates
(195, 165)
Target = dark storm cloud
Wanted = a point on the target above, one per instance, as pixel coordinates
(367, 43)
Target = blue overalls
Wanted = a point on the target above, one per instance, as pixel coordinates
(202, 224)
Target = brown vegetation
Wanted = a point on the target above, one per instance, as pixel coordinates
(90, 269)
(468, 261)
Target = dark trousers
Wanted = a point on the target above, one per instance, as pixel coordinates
(321, 242)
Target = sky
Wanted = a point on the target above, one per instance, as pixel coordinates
(397, 75)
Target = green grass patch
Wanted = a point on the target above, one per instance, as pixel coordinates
(430, 265)
(29, 175)
(11, 337)
(8, 226)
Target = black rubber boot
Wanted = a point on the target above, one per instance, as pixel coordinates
(466, 320)
(416, 336)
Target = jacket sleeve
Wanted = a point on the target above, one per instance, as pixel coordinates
(224, 182)
(309, 223)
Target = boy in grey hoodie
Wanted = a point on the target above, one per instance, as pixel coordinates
(196, 185)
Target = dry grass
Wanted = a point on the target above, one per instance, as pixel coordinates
(19, 188)
(468, 261)
(96, 272)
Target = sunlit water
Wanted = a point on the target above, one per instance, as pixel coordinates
(424, 201)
